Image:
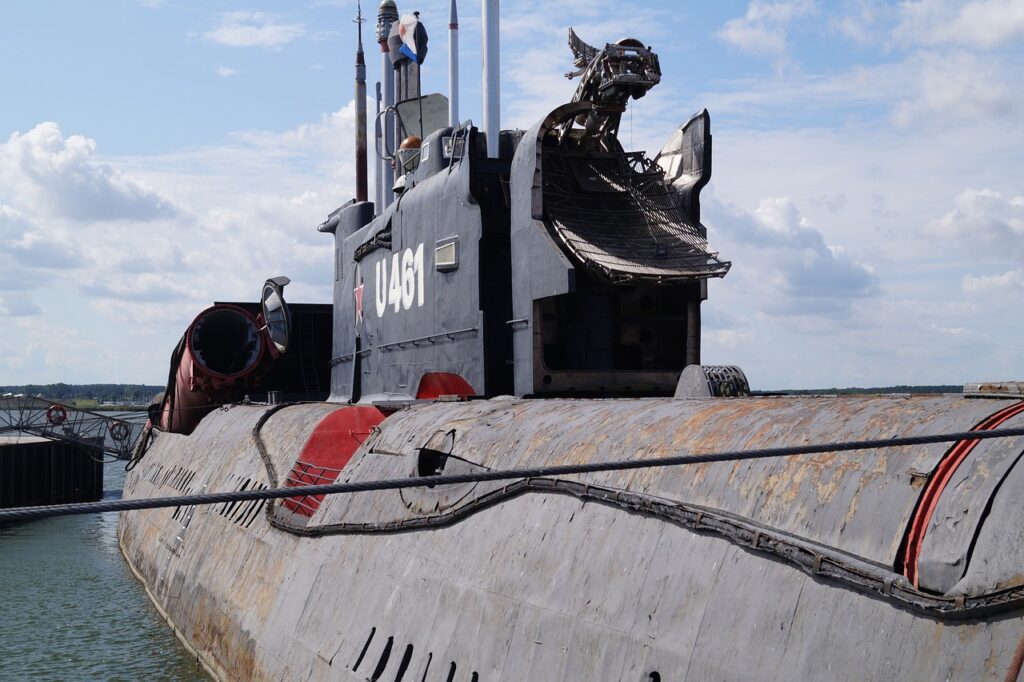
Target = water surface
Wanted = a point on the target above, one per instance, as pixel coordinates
(70, 608)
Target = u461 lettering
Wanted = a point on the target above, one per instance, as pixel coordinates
(401, 284)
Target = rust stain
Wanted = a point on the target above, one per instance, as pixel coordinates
(1014, 581)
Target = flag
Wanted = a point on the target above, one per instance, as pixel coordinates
(413, 37)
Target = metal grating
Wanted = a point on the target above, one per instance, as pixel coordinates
(616, 214)
(307, 473)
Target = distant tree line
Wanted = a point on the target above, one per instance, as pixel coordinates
(944, 388)
(135, 394)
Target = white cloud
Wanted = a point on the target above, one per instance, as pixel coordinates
(957, 84)
(253, 29)
(28, 245)
(923, 88)
(729, 339)
(61, 177)
(13, 226)
(862, 21)
(226, 71)
(19, 306)
(800, 274)
(146, 287)
(984, 220)
(763, 29)
(243, 210)
(533, 78)
(979, 23)
(1011, 281)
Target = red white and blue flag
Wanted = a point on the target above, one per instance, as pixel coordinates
(414, 38)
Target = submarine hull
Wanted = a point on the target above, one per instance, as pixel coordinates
(782, 568)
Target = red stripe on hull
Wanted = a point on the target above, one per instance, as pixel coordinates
(937, 484)
(328, 449)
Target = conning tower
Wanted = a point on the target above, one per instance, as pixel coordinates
(561, 265)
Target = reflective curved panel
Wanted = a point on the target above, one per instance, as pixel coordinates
(275, 312)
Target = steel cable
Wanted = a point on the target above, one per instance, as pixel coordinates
(29, 513)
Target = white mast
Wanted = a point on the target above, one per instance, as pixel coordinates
(361, 194)
(387, 14)
(492, 76)
(453, 64)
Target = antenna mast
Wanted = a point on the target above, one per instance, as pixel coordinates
(492, 76)
(453, 65)
(361, 192)
(387, 14)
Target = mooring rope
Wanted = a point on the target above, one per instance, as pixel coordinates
(28, 513)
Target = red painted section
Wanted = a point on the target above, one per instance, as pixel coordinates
(436, 384)
(937, 484)
(328, 449)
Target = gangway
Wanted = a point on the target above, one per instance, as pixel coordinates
(58, 421)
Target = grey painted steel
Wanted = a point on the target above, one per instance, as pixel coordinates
(995, 561)
(686, 160)
(446, 332)
(542, 269)
(995, 389)
(949, 540)
(712, 381)
(839, 500)
(566, 589)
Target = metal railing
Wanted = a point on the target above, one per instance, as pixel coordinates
(114, 436)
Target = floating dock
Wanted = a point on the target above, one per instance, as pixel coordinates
(36, 471)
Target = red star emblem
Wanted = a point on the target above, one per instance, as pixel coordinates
(358, 295)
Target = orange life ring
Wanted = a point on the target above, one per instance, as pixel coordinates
(119, 431)
(56, 415)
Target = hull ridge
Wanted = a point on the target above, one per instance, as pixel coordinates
(783, 568)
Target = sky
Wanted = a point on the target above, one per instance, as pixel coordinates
(868, 181)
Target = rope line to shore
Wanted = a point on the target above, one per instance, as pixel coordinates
(47, 511)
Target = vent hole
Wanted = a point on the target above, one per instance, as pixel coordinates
(474, 677)
(365, 647)
(431, 462)
(654, 677)
(383, 662)
(404, 665)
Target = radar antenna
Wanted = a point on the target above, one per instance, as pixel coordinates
(582, 53)
(609, 78)
(361, 185)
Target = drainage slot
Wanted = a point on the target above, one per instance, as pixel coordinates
(383, 662)
(404, 665)
(365, 647)
(451, 672)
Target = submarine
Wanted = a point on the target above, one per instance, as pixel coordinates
(516, 299)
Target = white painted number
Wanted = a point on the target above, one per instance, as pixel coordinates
(405, 284)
